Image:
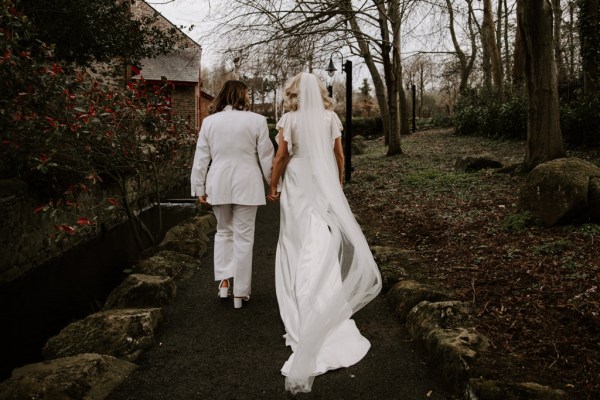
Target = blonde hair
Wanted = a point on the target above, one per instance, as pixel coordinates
(292, 88)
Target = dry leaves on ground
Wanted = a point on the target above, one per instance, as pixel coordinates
(535, 290)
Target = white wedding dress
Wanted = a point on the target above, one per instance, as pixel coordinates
(324, 269)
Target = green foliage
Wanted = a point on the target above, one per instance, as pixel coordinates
(367, 127)
(438, 180)
(441, 121)
(519, 221)
(552, 248)
(87, 30)
(477, 116)
(580, 120)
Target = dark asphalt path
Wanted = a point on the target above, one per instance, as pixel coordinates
(206, 349)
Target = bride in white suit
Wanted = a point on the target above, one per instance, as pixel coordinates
(235, 143)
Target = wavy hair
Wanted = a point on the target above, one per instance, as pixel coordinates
(292, 88)
(234, 94)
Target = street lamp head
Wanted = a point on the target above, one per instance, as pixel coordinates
(330, 68)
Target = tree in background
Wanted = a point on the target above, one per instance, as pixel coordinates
(83, 31)
(544, 137)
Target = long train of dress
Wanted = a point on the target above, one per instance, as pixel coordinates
(308, 278)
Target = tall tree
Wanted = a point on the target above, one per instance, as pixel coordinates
(544, 137)
(589, 26)
(491, 54)
(465, 62)
(97, 30)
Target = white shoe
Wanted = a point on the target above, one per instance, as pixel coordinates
(224, 290)
(237, 301)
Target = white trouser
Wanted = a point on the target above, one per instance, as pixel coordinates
(233, 245)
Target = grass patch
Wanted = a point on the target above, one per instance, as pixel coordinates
(519, 221)
(552, 248)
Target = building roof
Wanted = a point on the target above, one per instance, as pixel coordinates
(180, 66)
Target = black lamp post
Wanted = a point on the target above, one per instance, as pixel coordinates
(347, 134)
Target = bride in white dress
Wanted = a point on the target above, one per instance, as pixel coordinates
(324, 269)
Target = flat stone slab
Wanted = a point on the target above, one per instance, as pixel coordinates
(168, 263)
(406, 294)
(84, 376)
(139, 291)
(191, 236)
(483, 389)
(476, 162)
(451, 345)
(120, 333)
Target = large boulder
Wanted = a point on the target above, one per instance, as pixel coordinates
(191, 236)
(84, 376)
(168, 263)
(476, 162)
(139, 291)
(558, 191)
(119, 333)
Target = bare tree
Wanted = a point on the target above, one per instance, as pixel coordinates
(370, 30)
(465, 62)
(490, 51)
(544, 137)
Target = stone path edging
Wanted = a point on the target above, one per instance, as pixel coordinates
(446, 331)
(92, 356)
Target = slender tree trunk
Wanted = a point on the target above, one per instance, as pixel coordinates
(589, 20)
(571, 40)
(492, 63)
(507, 57)
(378, 84)
(558, 48)
(465, 63)
(396, 21)
(518, 72)
(544, 137)
(390, 69)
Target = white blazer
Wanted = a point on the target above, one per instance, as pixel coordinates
(238, 144)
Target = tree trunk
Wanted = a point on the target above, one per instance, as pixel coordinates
(589, 20)
(507, 59)
(544, 138)
(465, 63)
(558, 49)
(492, 63)
(378, 84)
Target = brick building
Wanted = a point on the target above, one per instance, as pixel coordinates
(181, 69)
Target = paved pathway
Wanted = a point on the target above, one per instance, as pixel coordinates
(208, 350)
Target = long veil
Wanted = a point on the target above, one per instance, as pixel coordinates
(345, 253)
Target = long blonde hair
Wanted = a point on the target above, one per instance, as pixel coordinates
(292, 88)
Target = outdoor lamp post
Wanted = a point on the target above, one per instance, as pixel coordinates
(347, 133)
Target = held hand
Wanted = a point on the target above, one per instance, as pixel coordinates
(273, 195)
(202, 200)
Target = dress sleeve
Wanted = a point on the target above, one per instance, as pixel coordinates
(336, 126)
(285, 123)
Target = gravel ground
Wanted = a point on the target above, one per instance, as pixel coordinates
(206, 349)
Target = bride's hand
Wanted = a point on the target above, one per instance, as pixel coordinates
(273, 195)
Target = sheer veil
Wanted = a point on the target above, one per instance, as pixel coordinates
(347, 254)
